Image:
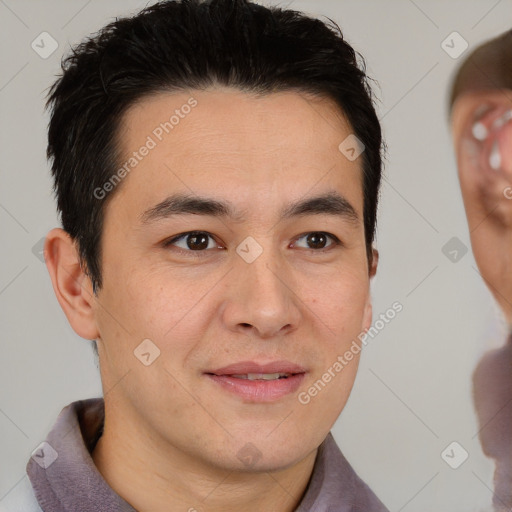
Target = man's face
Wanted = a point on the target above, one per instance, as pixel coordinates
(288, 293)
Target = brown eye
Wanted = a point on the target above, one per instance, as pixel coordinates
(196, 242)
(317, 240)
(192, 241)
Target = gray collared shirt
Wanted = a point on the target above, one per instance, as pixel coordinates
(63, 476)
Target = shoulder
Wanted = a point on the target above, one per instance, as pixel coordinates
(21, 498)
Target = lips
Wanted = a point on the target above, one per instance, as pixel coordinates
(259, 383)
(245, 368)
(263, 376)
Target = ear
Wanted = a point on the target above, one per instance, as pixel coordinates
(482, 133)
(368, 312)
(72, 287)
(374, 263)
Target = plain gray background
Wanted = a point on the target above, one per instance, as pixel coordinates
(412, 396)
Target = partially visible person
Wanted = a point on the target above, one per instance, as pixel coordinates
(481, 120)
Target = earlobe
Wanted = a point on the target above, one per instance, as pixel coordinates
(368, 315)
(374, 262)
(71, 285)
(368, 310)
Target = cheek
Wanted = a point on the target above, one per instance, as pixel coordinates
(343, 310)
(340, 301)
(131, 307)
(172, 309)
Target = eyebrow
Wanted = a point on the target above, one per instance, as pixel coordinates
(329, 203)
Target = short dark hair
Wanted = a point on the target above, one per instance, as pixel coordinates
(183, 45)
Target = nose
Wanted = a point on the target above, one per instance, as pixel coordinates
(263, 297)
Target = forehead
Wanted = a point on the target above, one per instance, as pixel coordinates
(231, 143)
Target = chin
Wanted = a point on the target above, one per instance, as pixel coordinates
(268, 453)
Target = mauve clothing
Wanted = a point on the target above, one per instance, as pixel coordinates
(72, 483)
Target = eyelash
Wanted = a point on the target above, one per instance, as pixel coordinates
(168, 243)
